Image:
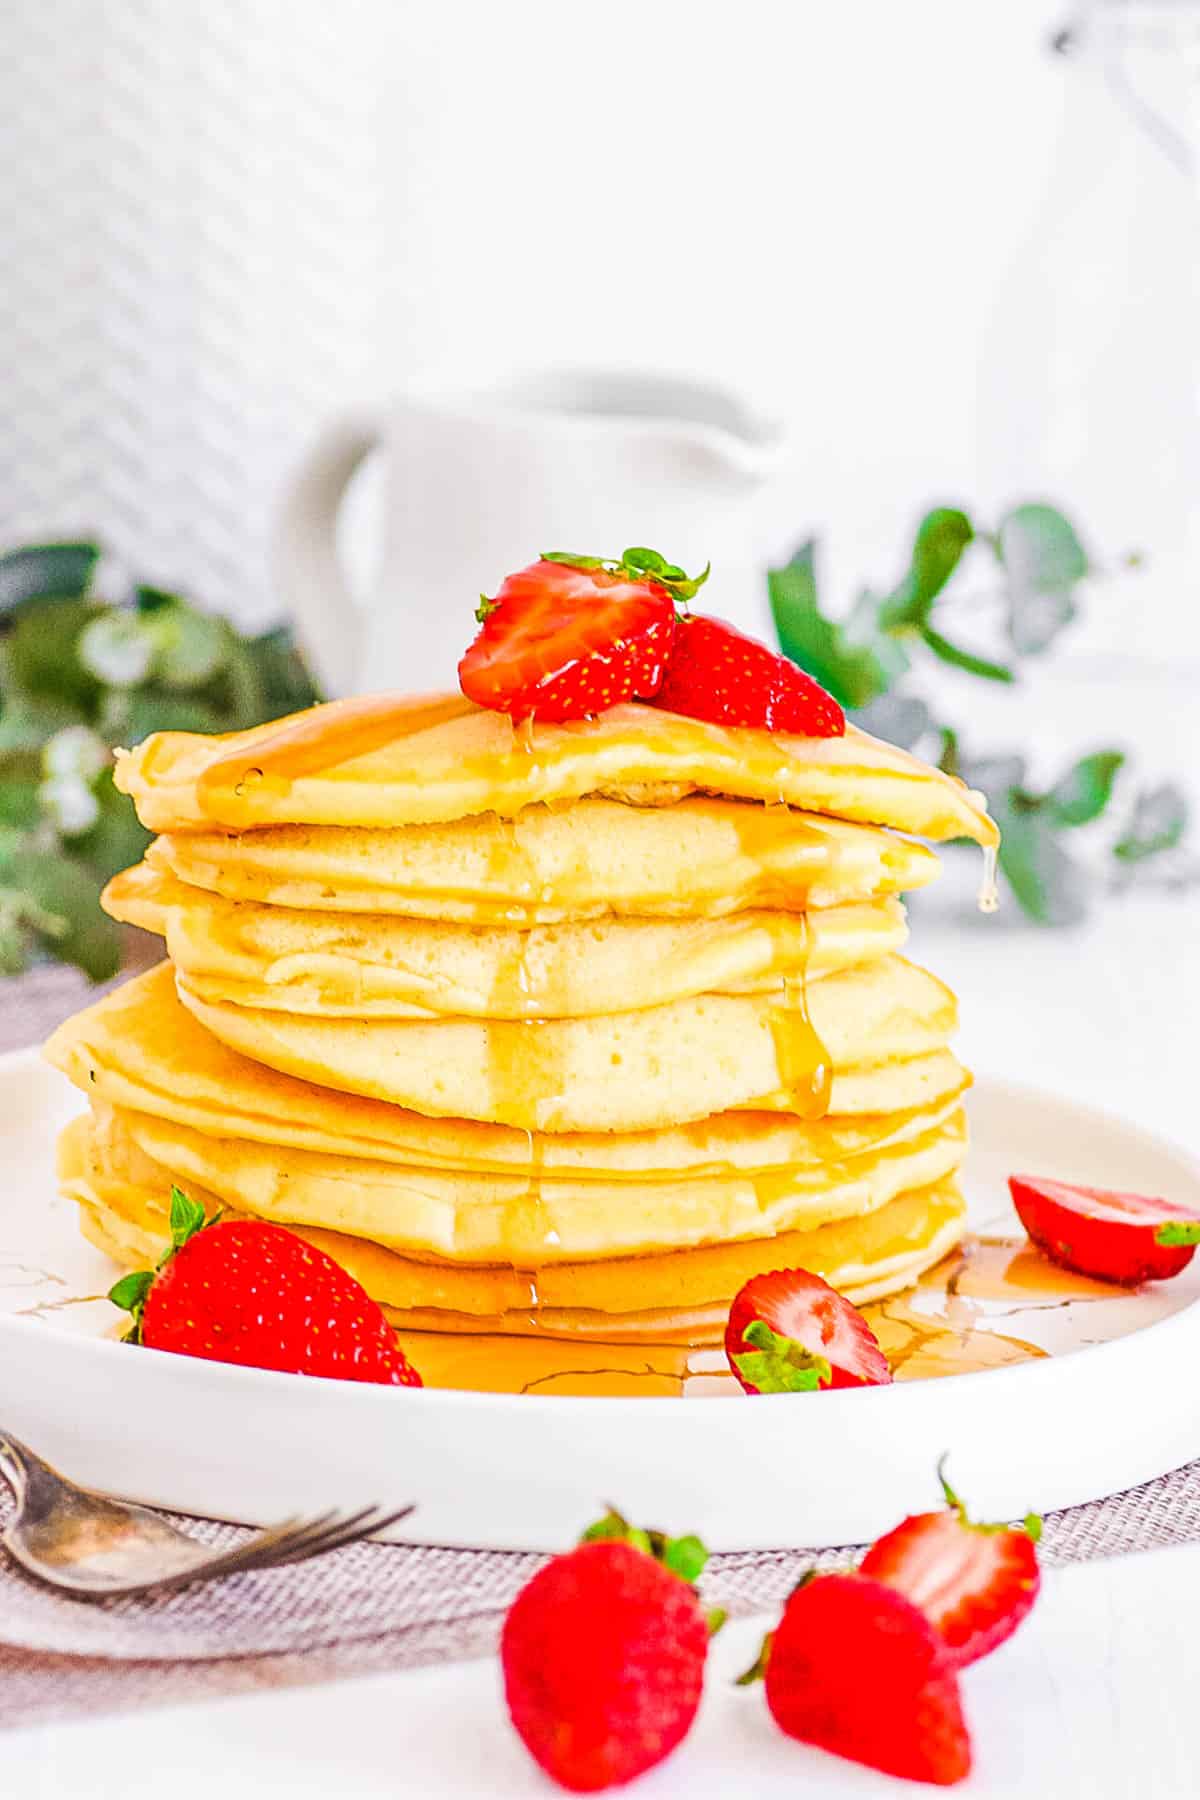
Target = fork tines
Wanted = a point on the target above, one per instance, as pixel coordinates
(296, 1540)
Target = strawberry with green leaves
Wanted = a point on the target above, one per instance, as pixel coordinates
(572, 635)
(1126, 1238)
(243, 1291)
(790, 1332)
(974, 1583)
(603, 1654)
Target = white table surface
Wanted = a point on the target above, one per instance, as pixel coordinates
(1095, 1697)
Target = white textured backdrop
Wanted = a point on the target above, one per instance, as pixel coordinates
(221, 220)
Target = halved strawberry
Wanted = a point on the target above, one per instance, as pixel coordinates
(716, 672)
(790, 1332)
(1126, 1238)
(572, 635)
(974, 1583)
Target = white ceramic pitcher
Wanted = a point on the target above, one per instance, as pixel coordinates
(480, 480)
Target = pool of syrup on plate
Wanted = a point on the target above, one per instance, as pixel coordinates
(957, 1320)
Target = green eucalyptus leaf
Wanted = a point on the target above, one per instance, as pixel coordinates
(1049, 887)
(76, 751)
(282, 675)
(69, 803)
(151, 710)
(1044, 561)
(27, 720)
(153, 599)
(996, 776)
(20, 779)
(43, 655)
(117, 839)
(862, 634)
(967, 660)
(854, 674)
(902, 719)
(1157, 822)
(1041, 551)
(46, 571)
(942, 537)
(67, 891)
(1035, 620)
(242, 695)
(14, 942)
(190, 646)
(1082, 794)
(118, 648)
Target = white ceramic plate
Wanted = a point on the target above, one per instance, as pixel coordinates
(1101, 1406)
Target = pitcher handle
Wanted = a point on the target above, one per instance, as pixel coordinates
(309, 572)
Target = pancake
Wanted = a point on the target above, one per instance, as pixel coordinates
(138, 1048)
(700, 858)
(124, 1212)
(388, 760)
(630, 1071)
(362, 965)
(525, 1218)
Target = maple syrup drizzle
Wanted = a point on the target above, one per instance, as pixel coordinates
(989, 893)
(805, 1069)
(926, 1333)
(313, 742)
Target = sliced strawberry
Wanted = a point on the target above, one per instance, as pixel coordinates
(570, 636)
(856, 1669)
(1126, 1238)
(790, 1332)
(718, 673)
(974, 1583)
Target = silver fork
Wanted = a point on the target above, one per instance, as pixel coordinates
(94, 1548)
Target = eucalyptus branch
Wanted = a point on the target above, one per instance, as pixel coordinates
(871, 659)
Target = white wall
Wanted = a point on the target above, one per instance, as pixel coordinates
(225, 219)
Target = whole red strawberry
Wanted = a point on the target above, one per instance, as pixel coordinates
(1127, 1238)
(974, 1583)
(572, 635)
(252, 1293)
(718, 673)
(603, 1654)
(790, 1332)
(857, 1669)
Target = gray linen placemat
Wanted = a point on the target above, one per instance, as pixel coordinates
(379, 1606)
(376, 1606)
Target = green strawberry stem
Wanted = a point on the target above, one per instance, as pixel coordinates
(187, 1217)
(758, 1668)
(1031, 1524)
(638, 564)
(1178, 1233)
(684, 1556)
(780, 1365)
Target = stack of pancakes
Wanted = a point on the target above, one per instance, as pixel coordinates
(552, 1034)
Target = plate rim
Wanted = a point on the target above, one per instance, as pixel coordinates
(267, 1382)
